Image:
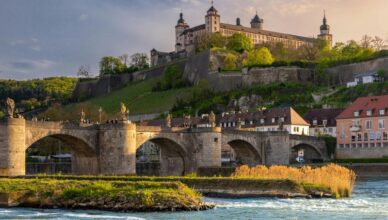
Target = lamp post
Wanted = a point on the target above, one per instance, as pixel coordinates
(100, 111)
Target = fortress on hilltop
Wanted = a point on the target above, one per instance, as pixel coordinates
(185, 36)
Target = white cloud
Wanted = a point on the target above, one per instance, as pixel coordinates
(27, 65)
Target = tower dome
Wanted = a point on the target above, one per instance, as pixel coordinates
(325, 28)
(256, 22)
(181, 21)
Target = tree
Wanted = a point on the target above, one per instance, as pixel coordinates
(366, 41)
(205, 41)
(111, 65)
(140, 60)
(230, 62)
(381, 74)
(217, 40)
(310, 51)
(1, 114)
(260, 56)
(124, 59)
(378, 43)
(239, 42)
(84, 71)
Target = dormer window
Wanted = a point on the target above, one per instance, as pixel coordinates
(262, 121)
(356, 113)
(382, 112)
(273, 120)
(369, 112)
(324, 122)
(315, 122)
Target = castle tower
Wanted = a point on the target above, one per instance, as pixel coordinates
(325, 31)
(256, 22)
(179, 29)
(212, 20)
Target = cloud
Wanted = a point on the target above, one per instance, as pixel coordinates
(32, 43)
(26, 65)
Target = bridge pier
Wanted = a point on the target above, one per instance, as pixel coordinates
(12, 147)
(117, 149)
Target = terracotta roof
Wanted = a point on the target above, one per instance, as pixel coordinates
(289, 115)
(323, 114)
(362, 105)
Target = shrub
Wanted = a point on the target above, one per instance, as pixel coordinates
(339, 179)
(239, 43)
(260, 56)
(230, 62)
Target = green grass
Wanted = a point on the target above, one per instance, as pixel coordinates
(137, 96)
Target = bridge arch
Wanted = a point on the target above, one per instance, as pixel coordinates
(84, 156)
(174, 158)
(245, 152)
(311, 154)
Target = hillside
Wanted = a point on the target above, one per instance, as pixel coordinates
(138, 96)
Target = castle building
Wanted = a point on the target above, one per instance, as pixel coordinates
(185, 35)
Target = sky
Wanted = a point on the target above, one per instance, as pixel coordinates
(43, 38)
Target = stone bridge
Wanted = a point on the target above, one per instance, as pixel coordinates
(110, 149)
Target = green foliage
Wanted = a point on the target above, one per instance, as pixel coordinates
(239, 43)
(172, 79)
(381, 74)
(36, 93)
(1, 114)
(111, 65)
(230, 62)
(206, 41)
(331, 143)
(260, 56)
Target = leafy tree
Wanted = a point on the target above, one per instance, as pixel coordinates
(217, 40)
(1, 114)
(260, 56)
(239, 42)
(381, 74)
(84, 71)
(205, 41)
(172, 79)
(140, 60)
(111, 65)
(124, 59)
(31, 104)
(230, 62)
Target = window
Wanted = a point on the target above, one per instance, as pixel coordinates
(368, 124)
(273, 120)
(315, 122)
(282, 119)
(378, 135)
(356, 113)
(356, 123)
(359, 137)
(382, 112)
(371, 135)
(262, 121)
(381, 124)
(365, 136)
(369, 112)
(353, 138)
(324, 122)
(385, 136)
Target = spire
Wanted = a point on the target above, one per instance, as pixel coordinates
(324, 17)
(181, 20)
(212, 8)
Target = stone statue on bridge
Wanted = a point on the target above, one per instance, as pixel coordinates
(10, 108)
(83, 115)
(212, 119)
(123, 112)
(168, 120)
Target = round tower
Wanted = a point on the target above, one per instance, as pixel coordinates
(212, 20)
(256, 22)
(179, 37)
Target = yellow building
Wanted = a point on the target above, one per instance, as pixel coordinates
(186, 35)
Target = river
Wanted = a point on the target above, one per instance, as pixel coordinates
(369, 201)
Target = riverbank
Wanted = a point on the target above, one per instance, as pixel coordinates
(98, 194)
(220, 187)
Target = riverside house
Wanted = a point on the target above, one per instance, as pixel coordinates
(362, 129)
(323, 121)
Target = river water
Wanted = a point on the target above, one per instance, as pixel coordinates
(369, 201)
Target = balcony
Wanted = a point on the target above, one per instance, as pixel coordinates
(355, 128)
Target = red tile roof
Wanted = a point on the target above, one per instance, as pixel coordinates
(323, 114)
(374, 103)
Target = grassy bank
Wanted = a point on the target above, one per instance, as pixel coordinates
(98, 194)
(339, 180)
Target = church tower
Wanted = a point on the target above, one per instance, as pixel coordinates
(325, 31)
(256, 22)
(212, 20)
(179, 29)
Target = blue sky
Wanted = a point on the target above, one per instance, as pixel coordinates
(42, 38)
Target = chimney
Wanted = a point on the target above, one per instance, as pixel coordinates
(238, 22)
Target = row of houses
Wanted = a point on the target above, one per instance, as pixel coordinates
(361, 129)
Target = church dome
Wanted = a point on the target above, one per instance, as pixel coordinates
(212, 9)
(256, 19)
(181, 20)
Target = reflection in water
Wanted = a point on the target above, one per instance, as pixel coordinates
(369, 201)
